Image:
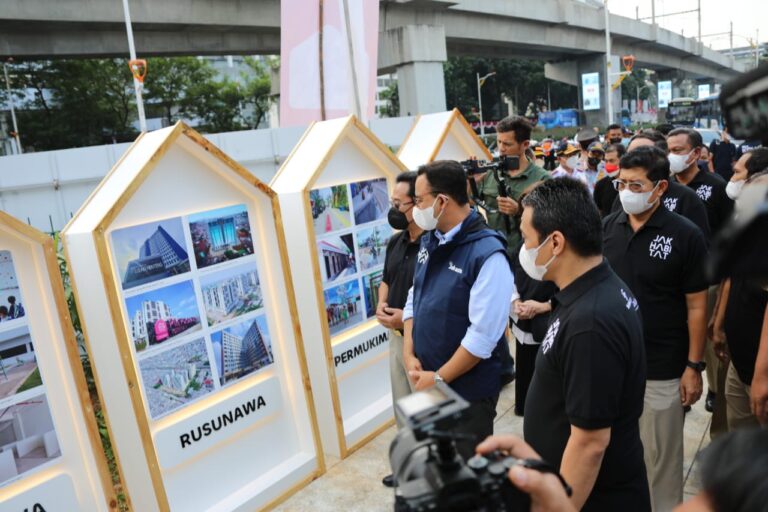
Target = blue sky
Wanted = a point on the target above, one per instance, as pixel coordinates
(180, 297)
(215, 277)
(240, 330)
(352, 287)
(221, 212)
(126, 241)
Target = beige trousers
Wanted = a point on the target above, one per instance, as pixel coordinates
(398, 377)
(737, 394)
(661, 430)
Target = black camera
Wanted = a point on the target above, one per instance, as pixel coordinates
(430, 473)
(502, 163)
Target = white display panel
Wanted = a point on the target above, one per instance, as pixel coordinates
(193, 306)
(441, 136)
(50, 452)
(336, 187)
(665, 93)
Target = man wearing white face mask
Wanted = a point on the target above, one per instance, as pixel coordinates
(685, 146)
(568, 155)
(661, 256)
(748, 164)
(456, 313)
(586, 396)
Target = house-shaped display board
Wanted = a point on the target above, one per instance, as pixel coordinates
(334, 189)
(51, 456)
(441, 136)
(180, 271)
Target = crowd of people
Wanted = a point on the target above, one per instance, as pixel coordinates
(596, 268)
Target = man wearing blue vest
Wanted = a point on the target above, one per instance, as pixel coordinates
(456, 313)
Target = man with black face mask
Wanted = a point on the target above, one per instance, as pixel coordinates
(399, 266)
(613, 134)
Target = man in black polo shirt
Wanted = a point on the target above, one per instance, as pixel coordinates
(677, 198)
(724, 154)
(660, 256)
(685, 146)
(586, 395)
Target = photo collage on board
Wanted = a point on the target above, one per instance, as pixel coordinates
(351, 229)
(193, 304)
(28, 437)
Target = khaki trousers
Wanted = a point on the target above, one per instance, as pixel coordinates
(398, 377)
(739, 410)
(661, 430)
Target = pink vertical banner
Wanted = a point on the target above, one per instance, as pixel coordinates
(300, 59)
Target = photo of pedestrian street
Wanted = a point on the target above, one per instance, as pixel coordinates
(337, 257)
(370, 200)
(242, 349)
(27, 437)
(156, 316)
(372, 245)
(148, 252)
(230, 293)
(11, 305)
(343, 306)
(330, 209)
(18, 364)
(221, 235)
(176, 377)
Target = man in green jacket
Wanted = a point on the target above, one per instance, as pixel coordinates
(513, 136)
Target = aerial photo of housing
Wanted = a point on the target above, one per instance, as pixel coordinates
(148, 252)
(27, 437)
(175, 377)
(242, 349)
(370, 200)
(330, 209)
(221, 235)
(337, 257)
(159, 315)
(230, 293)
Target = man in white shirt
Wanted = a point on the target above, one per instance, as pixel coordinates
(568, 155)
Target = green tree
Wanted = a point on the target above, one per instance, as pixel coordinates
(217, 104)
(256, 90)
(391, 97)
(169, 79)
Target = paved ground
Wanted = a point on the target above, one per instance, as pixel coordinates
(354, 484)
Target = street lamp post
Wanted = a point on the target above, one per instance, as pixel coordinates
(480, 82)
(136, 84)
(13, 111)
(608, 90)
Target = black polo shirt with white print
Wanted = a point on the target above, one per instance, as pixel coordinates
(661, 262)
(590, 373)
(710, 188)
(683, 201)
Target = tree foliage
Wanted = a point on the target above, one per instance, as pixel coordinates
(521, 81)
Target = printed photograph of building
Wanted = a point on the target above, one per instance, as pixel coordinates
(11, 305)
(337, 257)
(221, 235)
(370, 200)
(160, 315)
(343, 306)
(242, 349)
(18, 364)
(176, 377)
(330, 209)
(372, 245)
(371, 284)
(149, 252)
(230, 293)
(27, 437)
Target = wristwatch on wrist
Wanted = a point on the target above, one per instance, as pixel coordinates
(699, 367)
(438, 378)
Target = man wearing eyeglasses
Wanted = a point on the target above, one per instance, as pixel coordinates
(660, 255)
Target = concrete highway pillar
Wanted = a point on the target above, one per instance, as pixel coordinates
(416, 53)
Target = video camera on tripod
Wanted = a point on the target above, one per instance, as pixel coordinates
(430, 473)
(499, 167)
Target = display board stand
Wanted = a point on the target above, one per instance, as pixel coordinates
(441, 136)
(334, 188)
(180, 270)
(51, 456)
